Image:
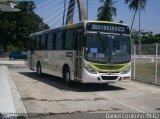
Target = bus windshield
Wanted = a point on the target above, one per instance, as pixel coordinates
(108, 48)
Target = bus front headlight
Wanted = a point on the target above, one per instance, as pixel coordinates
(90, 69)
(127, 70)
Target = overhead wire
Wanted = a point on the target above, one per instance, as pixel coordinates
(93, 9)
(44, 3)
(52, 12)
(65, 15)
(57, 13)
(50, 7)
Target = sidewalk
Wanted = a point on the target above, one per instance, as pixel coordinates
(6, 99)
(6, 61)
(10, 100)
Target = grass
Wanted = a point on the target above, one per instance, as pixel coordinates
(146, 71)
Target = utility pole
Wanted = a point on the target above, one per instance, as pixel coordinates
(64, 12)
(70, 12)
(87, 9)
(82, 11)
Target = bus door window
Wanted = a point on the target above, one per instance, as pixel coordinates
(43, 42)
(32, 44)
(78, 55)
(46, 42)
(38, 41)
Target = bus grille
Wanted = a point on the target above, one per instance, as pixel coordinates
(109, 77)
(109, 67)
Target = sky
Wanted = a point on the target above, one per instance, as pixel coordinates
(150, 17)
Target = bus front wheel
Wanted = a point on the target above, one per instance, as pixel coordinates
(66, 77)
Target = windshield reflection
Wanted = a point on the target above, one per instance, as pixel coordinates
(107, 48)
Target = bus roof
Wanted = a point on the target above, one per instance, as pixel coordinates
(70, 26)
(109, 22)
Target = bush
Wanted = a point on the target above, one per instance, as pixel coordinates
(10, 48)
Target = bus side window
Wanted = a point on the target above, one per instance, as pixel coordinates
(63, 39)
(59, 41)
(50, 42)
(54, 41)
(69, 40)
(37, 43)
(29, 45)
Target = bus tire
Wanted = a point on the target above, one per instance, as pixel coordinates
(66, 77)
(12, 58)
(39, 69)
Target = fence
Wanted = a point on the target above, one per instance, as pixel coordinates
(146, 63)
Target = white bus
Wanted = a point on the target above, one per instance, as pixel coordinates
(87, 52)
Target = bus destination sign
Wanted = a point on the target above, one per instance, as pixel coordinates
(109, 28)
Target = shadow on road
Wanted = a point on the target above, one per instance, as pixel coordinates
(77, 87)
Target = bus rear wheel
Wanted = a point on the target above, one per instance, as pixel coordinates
(39, 70)
(66, 77)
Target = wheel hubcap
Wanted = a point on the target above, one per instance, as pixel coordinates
(67, 77)
(39, 72)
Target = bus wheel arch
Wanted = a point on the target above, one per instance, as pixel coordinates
(39, 68)
(67, 75)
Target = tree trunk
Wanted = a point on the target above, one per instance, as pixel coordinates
(133, 20)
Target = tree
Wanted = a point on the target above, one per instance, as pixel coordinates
(136, 5)
(107, 11)
(146, 37)
(15, 28)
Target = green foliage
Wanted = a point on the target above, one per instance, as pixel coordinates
(21, 46)
(15, 28)
(106, 11)
(146, 37)
(10, 48)
(1, 46)
(136, 5)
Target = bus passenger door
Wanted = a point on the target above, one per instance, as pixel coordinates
(32, 60)
(31, 55)
(78, 62)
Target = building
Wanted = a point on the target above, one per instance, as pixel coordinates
(8, 6)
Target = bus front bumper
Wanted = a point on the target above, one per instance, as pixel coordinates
(104, 77)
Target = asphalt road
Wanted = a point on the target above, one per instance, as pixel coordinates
(49, 97)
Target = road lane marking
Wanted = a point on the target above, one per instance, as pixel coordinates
(129, 106)
(136, 109)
